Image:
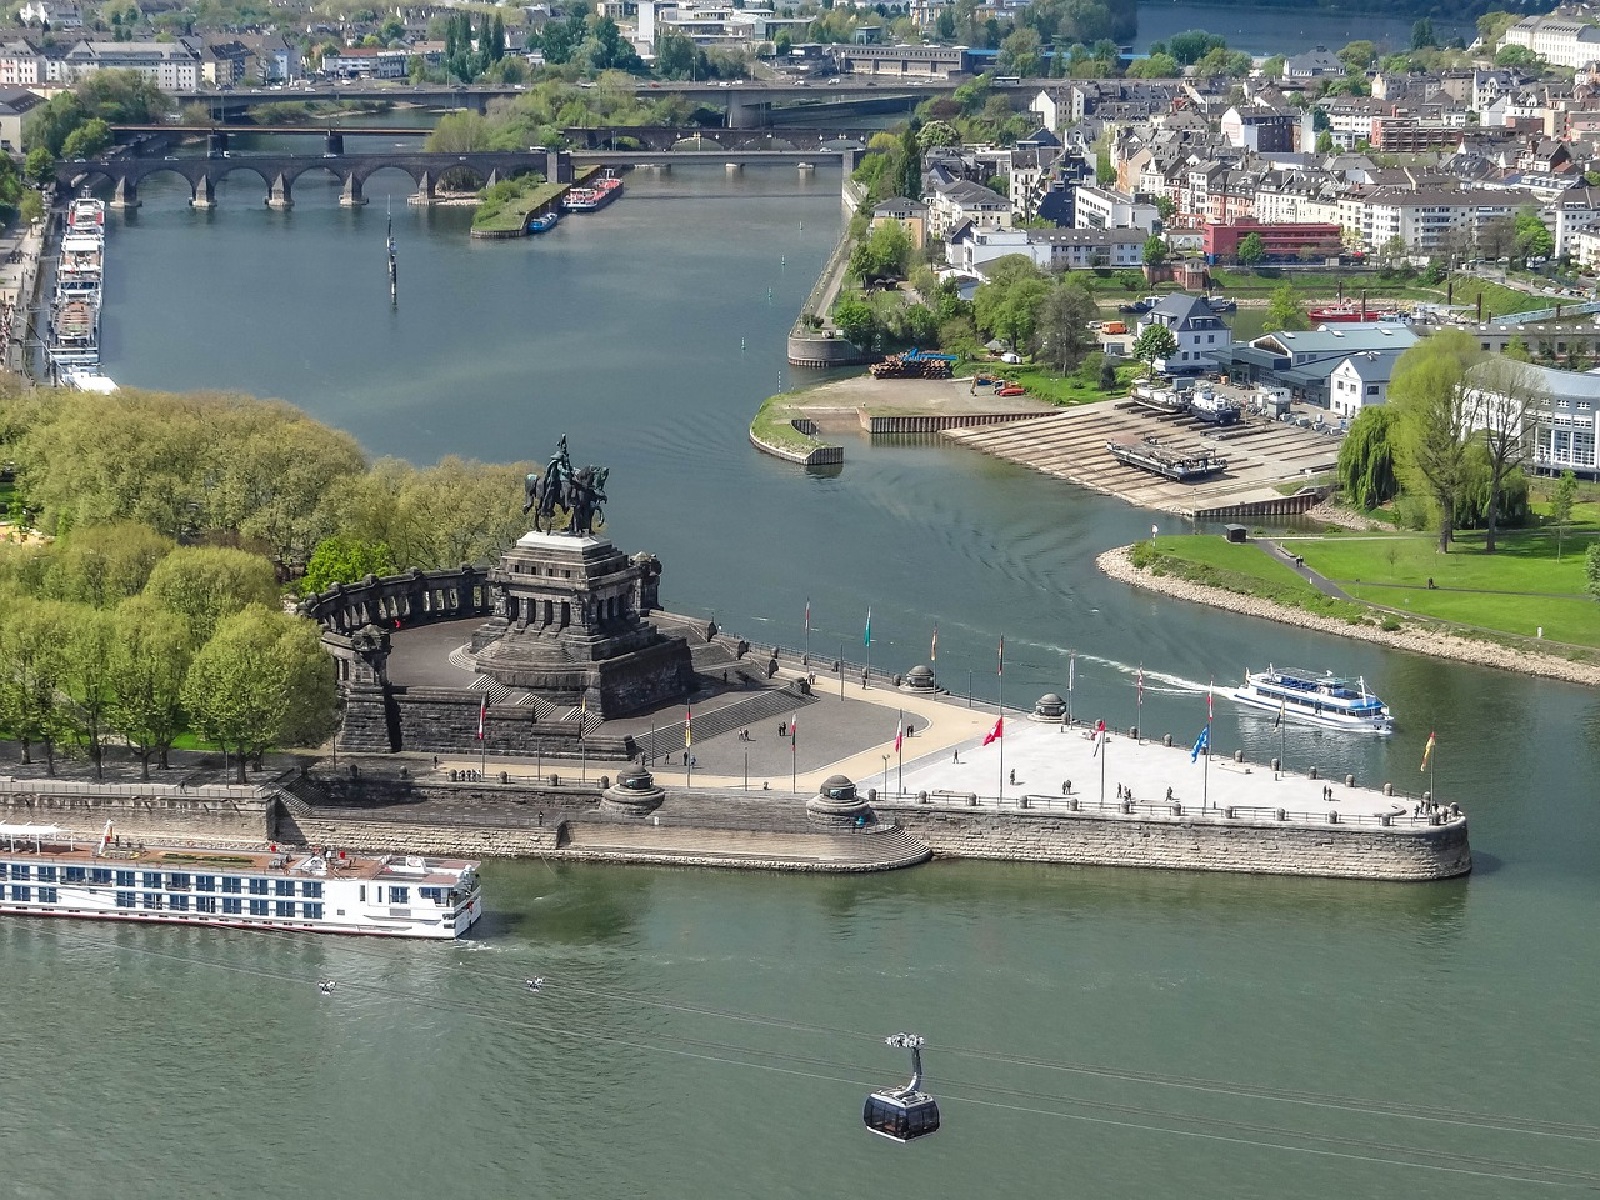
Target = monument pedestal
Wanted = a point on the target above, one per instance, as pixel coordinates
(569, 627)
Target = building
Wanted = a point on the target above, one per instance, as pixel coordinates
(1361, 380)
(1430, 219)
(1560, 41)
(1280, 241)
(15, 103)
(21, 64)
(51, 15)
(1203, 340)
(1562, 423)
(171, 66)
(225, 64)
(366, 62)
(1312, 65)
(1095, 207)
(961, 202)
(1303, 361)
(913, 214)
(1050, 249)
(1263, 129)
(904, 62)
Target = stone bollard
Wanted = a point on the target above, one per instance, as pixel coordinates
(1349, 781)
(972, 799)
(922, 797)
(1133, 732)
(555, 780)
(1388, 789)
(605, 782)
(1312, 774)
(1177, 810)
(1386, 818)
(1238, 756)
(1072, 804)
(1277, 764)
(1333, 817)
(1427, 797)
(1166, 739)
(1022, 802)
(1227, 814)
(452, 776)
(872, 795)
(355, 771)
(1127, 806)
(1282, 815)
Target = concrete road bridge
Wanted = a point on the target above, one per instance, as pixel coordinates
(693, 137)
(278, 172)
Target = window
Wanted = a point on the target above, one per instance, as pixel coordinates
(124, 878)
(311, 889)
(432, 893)
(205, 883)
(178, 903)
(152, 879)
(177, 881)
(205, 904)
(124, 899)
(258, 887)
(232, 883)
(77, 874)
(285, 908)
(258, 908)
(21, 893)
(21, 871)
(152, 900)
(47, 874)
(399, 895)
(312, 911)
(48, 895)
(232, 906)
(1372, 389)
(100, 875)
(283, 887)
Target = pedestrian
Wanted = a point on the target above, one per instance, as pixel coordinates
(1013, 775)
(1119, 791)
(1169, 795)
(958, 758)
(783, 728)
(1066, 787)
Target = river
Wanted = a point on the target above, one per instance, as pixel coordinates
(710, 1034)
(1286, 30)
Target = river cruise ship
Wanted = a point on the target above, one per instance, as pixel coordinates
(44, 873)
(73, 328)
(1320, 698)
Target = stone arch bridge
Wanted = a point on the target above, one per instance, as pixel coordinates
(278, 172)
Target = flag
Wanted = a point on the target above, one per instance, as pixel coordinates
(1283, 711)
(1427, 751)
(1000, 662)
(688, 728)
(1203, 742)
(1138, 684)
(483, 714)
(899, 734)
(866, 637)
(995, 734)
(1099, 737)
(1209, 686)
(808, 616)
(1072, 669)
(933, 650)
(792, 724)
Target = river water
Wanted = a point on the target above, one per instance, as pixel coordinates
(1286, 30)
(710, 1034)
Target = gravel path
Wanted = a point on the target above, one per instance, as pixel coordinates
(1116, 564)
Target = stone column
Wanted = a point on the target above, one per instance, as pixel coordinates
(126, 194)
(203, 193)
(425, 188)
(351, 197)
(278, 194)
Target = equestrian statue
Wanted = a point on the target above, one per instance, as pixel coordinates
(578, 493)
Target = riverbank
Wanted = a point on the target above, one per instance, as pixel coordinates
(1407, 634)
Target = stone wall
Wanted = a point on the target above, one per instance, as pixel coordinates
(397, 837)
(211, 816)
(1189, 843)
(433, 720)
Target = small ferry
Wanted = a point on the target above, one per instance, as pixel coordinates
(43, 872)
(1349, 311)
(1318, 698)
(1182, 465)
(543, 222)
(1214, 408)
(1160, 399)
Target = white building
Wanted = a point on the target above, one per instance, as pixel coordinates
(47, 12)
(1050, 249)
(1426, 219)
(1203, 340)
(21, 64)
(172, 66)
(1561, 426)
(1360, 381)
(961, 202)
(1560, 41)
(1106, 208)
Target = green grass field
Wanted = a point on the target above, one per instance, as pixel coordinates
(1075, 387)
(1574, 620)
(1236, 568)
(1525, 561)
(772, 425)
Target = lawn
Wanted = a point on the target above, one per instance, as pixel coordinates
(1076, 387)
(507, 206)
(1525, 562)
(1207, 559)
(772, 425)
(1576, 620)
(1498, 300)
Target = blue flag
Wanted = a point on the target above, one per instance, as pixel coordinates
(1203, 742)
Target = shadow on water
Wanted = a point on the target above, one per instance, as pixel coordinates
(560, 902)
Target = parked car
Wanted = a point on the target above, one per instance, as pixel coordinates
(1011, 389)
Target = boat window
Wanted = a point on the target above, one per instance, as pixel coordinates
(232, 906)
(232, 883)
(125, 899)
(258, 908)
(205, 883)
(48, 895)
(100, 875)
(77, 874)
(21, 893)
(399, 895)
(283, 887)
(311, 888)
(21, 871)
(124, 878)
(258, 887)
(205, 904)
(363, 891)
(178, 903)
(152, 879)
(177, 881)
(152, 900)
(313, 911)
(47, 874)
(285, 908)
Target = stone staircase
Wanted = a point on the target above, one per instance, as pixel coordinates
(751, 711)
(671, 845)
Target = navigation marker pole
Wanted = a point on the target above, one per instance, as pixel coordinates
(394, 292)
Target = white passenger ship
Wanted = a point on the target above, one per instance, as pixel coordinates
(1321, 699)
(44, 873)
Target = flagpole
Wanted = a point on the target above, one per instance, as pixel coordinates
(808, 633)
(583, 750)
(900, 749)
(1205, 772)
(867, 638)
(1072, 678)
(1138, 702)
(1000, 711)
(1100, 741)
(794, 778)
(483, 744)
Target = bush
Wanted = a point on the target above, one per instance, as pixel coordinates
(1390, 625)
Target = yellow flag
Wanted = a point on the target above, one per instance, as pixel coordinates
(1427, 752)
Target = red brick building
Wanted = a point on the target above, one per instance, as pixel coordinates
(1281, 241)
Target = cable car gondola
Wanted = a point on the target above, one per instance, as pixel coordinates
(903, 1113)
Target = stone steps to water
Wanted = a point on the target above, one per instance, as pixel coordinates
(710, 847)
(740, 714)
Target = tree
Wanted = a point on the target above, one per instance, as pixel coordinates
(463, 132)
(89, 140)
(1517, 349)
(1366, 468)
(1517, 56)
(1429, 392)
(1155, 66)
(937, 133)
(40, 165)
(1422, 34)
(1188, 47)
(675, 55)
(341, 559)
(1533, 240)
(151, 652)
(1358, 56)
(1561, 502)
(1591, 568)
(1272, 68)
(1324, 142)
(87, 676)
(102, 565)
(1167, 207)
(206, 584)
(1284, 310)
(885, 253)
(909, 179)
(1155, 251)
(1021, 53)
(1007, 306)
(1251, 249)
(856, 320)
(262, 680)
(1154, 343)
(1063, 325)
(1501, 404)
(34, 639)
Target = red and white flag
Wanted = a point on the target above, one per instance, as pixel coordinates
(995, 734)
(793, 724)
(1099, 737)
(688, 728)
(483, 714)
(899, 735)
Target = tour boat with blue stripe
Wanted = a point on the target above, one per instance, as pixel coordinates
(44, 872)
(1316, 697)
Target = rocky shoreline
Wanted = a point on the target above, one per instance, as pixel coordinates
(1116, 564)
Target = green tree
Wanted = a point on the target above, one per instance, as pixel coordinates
(1422, 34)
(1154, 343)
(1366, 467)
(40, 165)
(1492, 26)
(1007, 305)
(1155, 251)
(151, 652)
(1272, 68)
(462, 132)
(937, 133)
(88, 140)
(1533, 240)
(1063, 325)
(1358, 56)
(1517, 56)
(102, 565)
(1021, 53)
(1502, 403)
(207, 584)
(1518, 349)
(35, 636)
(1561, 502)
(1324, 142)
(855, 319)
(885, 253)
(909, 179)
(1284, 310)
(341, 559)
(1429, 392)
(87, 677)
(1251, 249)
(1188, 47)
(1591, 568)
(262, 680)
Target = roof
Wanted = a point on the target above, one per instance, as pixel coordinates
(1564, 386)
(14, 101)
(1373, 366)
(1180, 308)
(898, 206)
(1344, 340)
